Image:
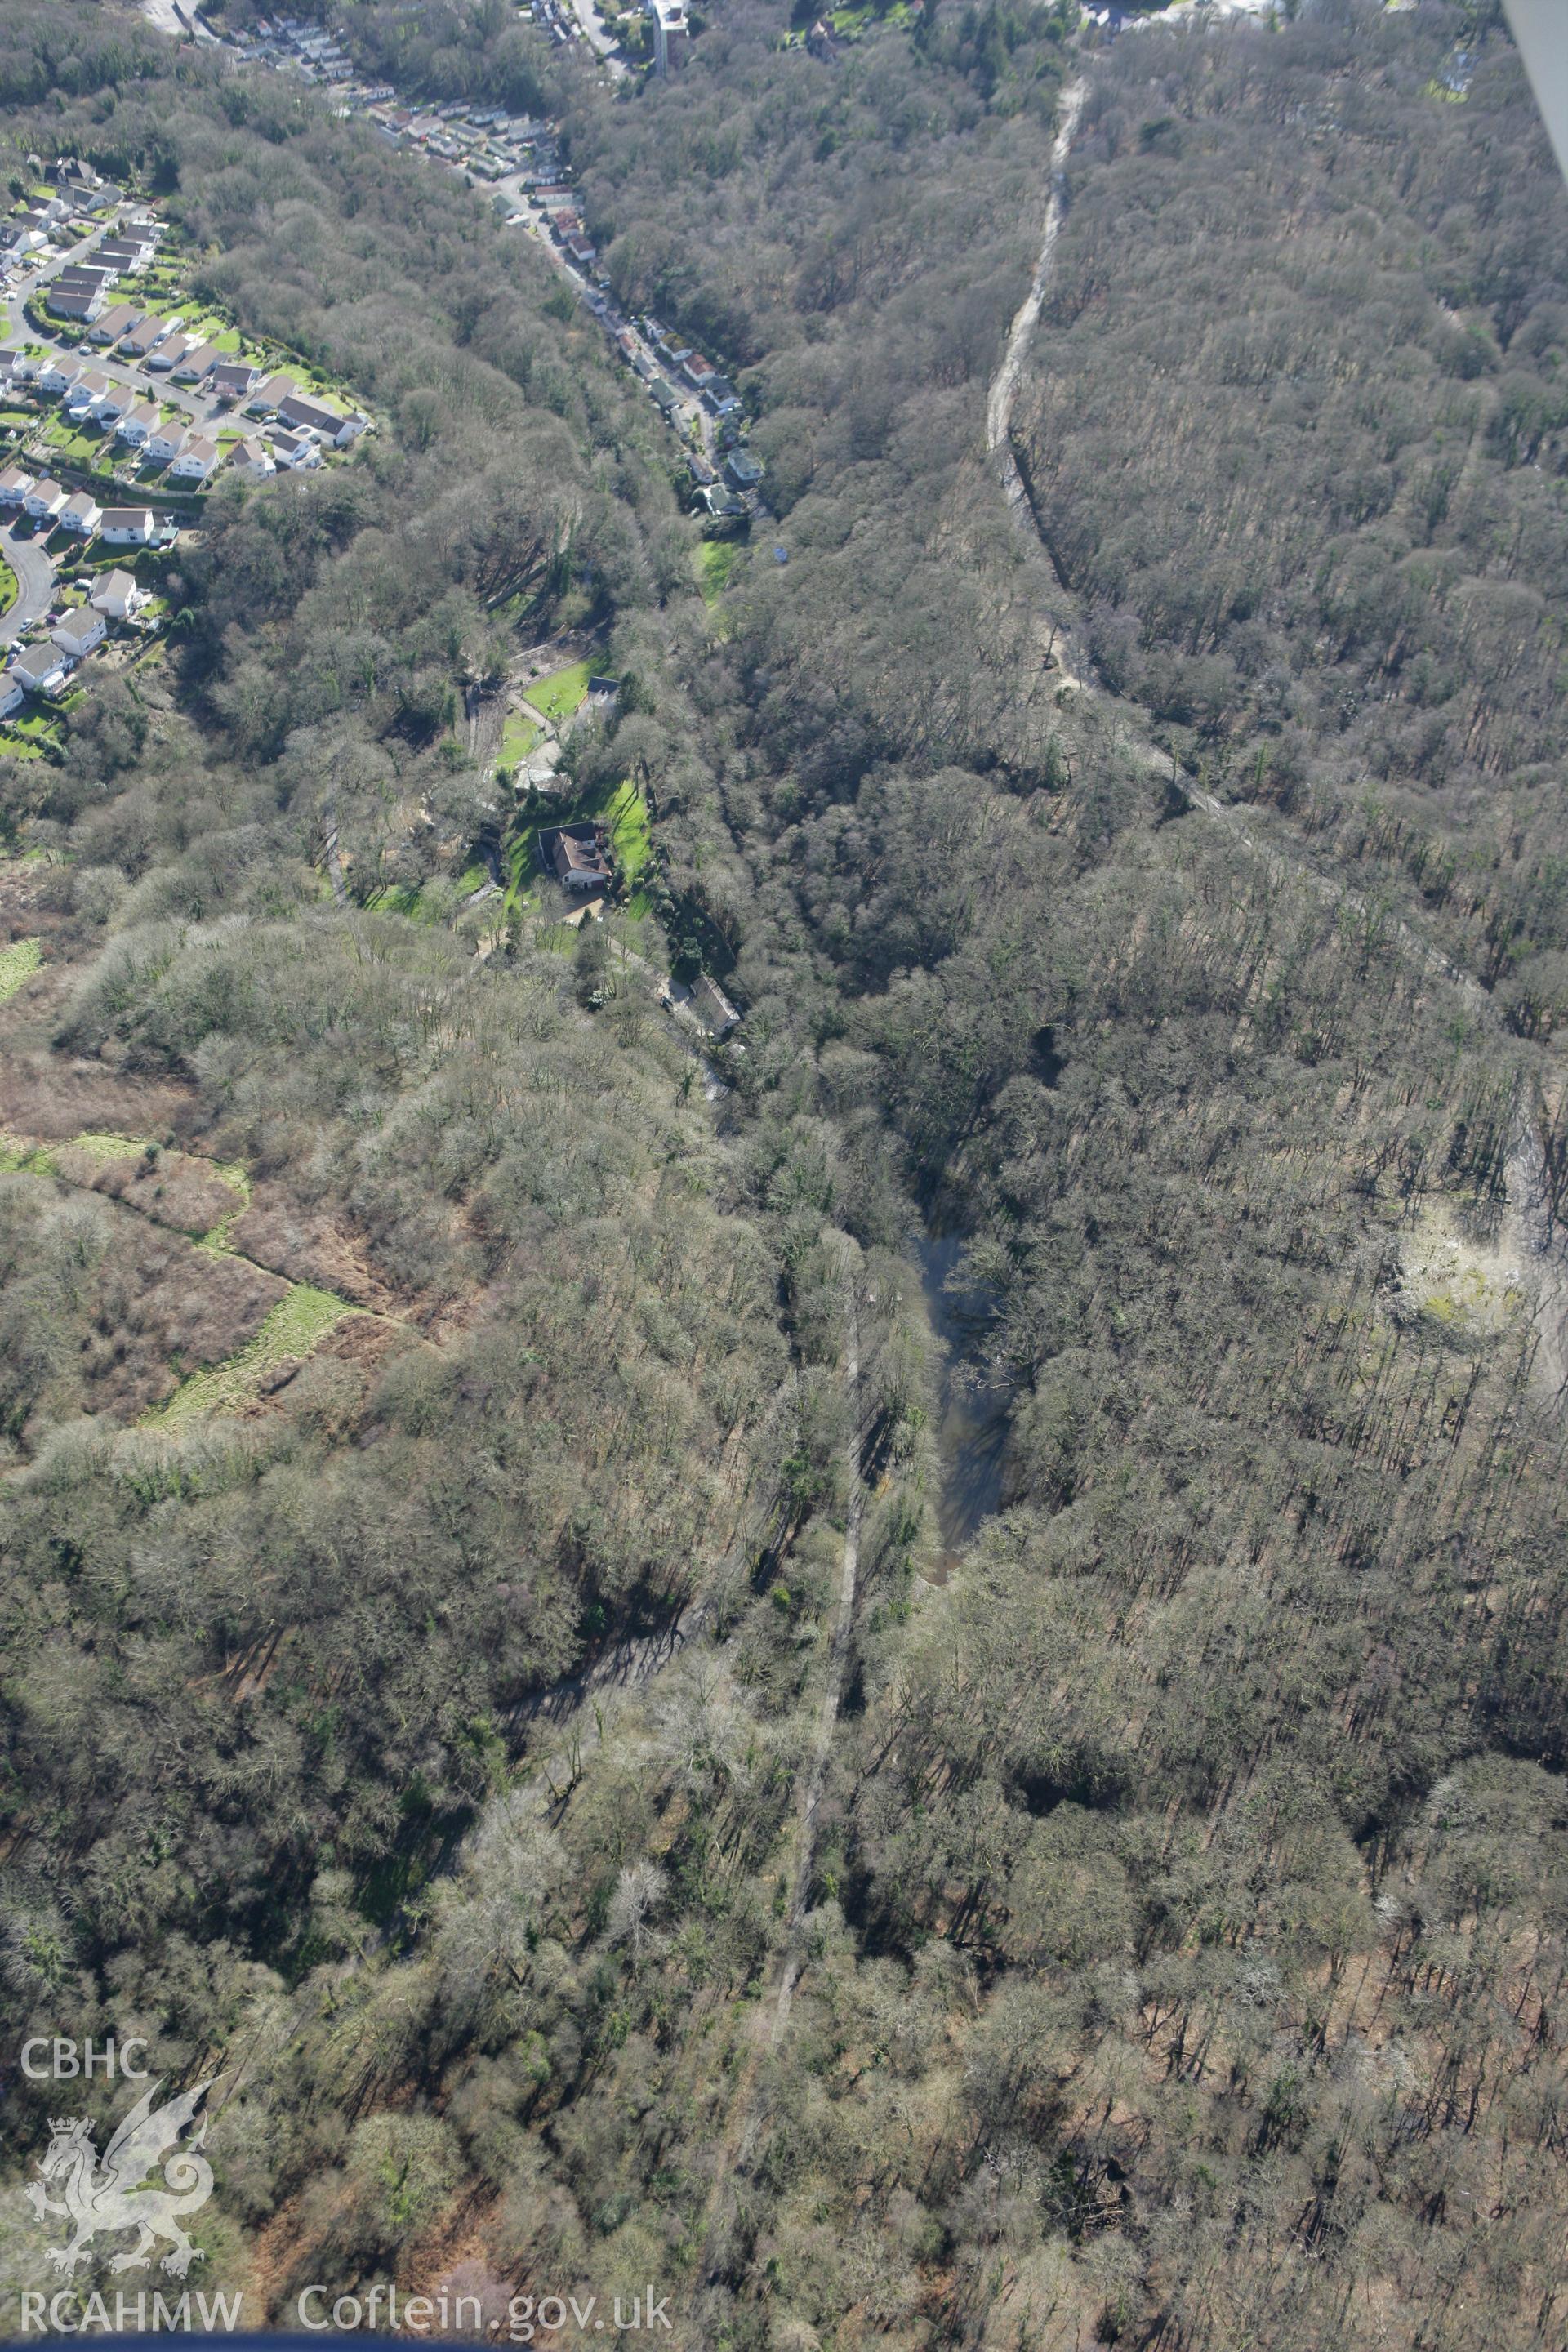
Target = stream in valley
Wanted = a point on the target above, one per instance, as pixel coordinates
(975, 1424)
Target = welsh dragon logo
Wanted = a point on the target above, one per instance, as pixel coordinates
(98, 2198)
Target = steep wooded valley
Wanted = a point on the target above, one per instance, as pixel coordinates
(897, 1673)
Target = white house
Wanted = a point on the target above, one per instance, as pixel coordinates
(194, 362)
(90, 388)
(195, 460)
(11, 695)
(166, 443)
(116, 402)
(59, 374)
(231, 379)
(302, 416)
(79, 631)
(42, 669)
(117, 595)
(263, 400)
(252, 459)
(44, 501)
(115, 322)
(291, 449)
(136, 427)
(13, 486)
(128, 526)
(92, 383)
(80, 514)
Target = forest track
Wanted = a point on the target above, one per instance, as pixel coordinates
(1004, 387)
(833, 1696)
(770, 2021)
(1285, 860)
(1528, 1232)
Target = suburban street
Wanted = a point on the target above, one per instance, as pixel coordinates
(15, 328)
(35, 583)
(27, 554)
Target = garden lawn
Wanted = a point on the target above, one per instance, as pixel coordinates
(558, 696)
(630, 836)
(520, 737)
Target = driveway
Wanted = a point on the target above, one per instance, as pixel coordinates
(599, 41)
(34, 583)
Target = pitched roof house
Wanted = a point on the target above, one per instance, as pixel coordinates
(136, 428)
(42, 669)
(128, 526)
(231, 378)
(195, 460)
(264, 396)
(79, 631)
(81, 513)
(297, 454)
(577, 854)
(43, 500)
(194, 361)
(253, 459)
(302, 416)
(117, 595)
(90, 387)
(117, 320)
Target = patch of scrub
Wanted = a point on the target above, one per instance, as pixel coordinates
(1468, 1289)
(295, 1327)
(18, 963)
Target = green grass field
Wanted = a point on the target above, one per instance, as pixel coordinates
(559, 694)
(81, 447)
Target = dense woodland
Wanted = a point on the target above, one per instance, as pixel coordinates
(1163, 902)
